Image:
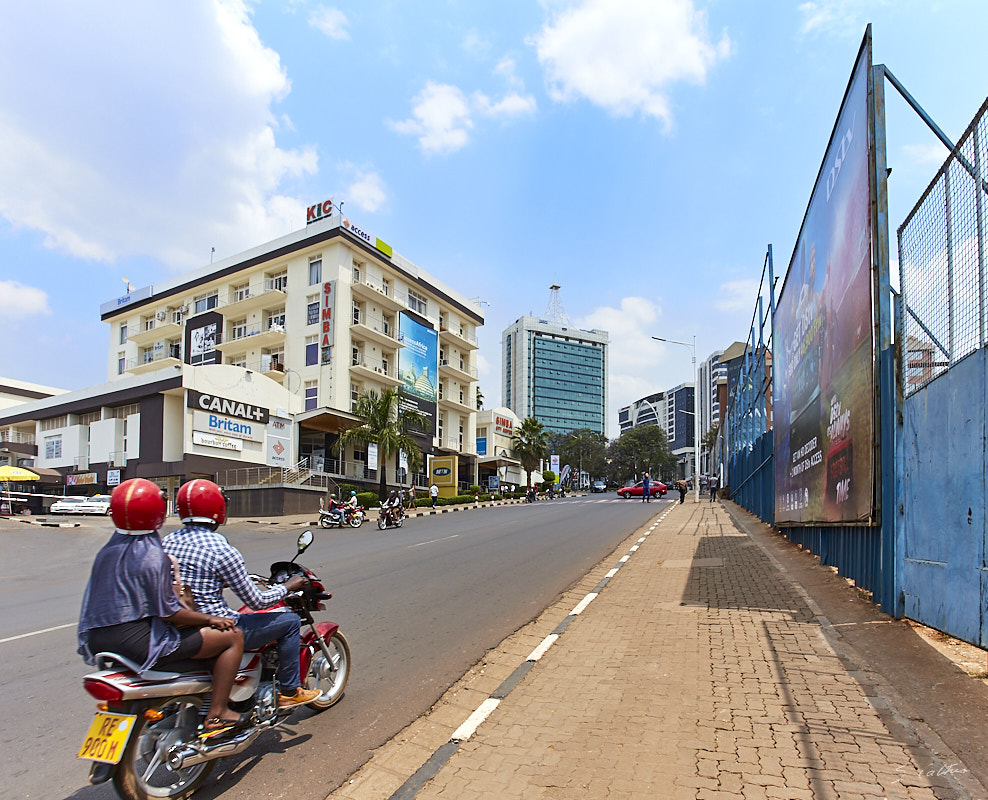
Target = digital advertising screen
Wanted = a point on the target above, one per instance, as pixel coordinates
(418, 369)
(823, 353)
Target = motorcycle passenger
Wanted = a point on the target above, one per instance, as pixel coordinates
(393, 505)
(131, 605)
(209, 563)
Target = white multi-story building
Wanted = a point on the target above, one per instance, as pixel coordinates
(258, 361)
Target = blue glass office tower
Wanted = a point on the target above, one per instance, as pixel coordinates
(556, 374)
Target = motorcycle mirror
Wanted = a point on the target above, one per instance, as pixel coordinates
(304, 540)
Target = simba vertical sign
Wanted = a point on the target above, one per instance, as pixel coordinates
(326, 320)
(823, 371)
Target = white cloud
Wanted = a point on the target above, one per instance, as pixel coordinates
(737, 295)
(508, 69)
(19, 301)
(160, 145)
(330, 21)
(840, 17)
(926, 155)
(625, 55)
(442, 115)
(367, 192)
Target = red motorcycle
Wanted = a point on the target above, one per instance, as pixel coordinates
(391, 517)
(146, 736)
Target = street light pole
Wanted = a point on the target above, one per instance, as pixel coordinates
(696, 414)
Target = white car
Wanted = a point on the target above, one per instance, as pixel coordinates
(97, 504)
(69, 505)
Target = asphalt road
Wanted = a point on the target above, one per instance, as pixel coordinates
(419, 606)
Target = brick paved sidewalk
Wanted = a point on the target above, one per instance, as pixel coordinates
(700, 671)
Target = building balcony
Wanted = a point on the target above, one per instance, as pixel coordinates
(259, 294)
(269, 368)
(14, 436)
(377, 294)
(377, 330)
(150, 362)
(374, 371)
(251, 336)
(457, 338)
(453, 444)
(80, 464)
(118, 458)
(156, 330)
(465, 374)
(454, 402)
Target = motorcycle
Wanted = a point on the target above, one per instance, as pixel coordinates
(391, 517)
(354, 517)
(146, 736)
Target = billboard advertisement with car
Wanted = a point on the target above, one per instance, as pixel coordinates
(823, 355)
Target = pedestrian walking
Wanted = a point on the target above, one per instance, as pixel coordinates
(646, 484)
(681, 485)
(434, 494)
(713, 487)
(411, 498)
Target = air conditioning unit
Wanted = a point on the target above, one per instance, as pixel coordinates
(160, 316)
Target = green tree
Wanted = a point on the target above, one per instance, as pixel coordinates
(581, 448)
(642, 449)
(384, 423)
(710, 437)
(530, 445)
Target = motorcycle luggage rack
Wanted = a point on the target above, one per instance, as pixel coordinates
(103, 661)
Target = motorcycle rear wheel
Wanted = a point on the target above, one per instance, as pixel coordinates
(324, 522)
(330, 678)
(142, 773)
(356, 522)
(399, 522)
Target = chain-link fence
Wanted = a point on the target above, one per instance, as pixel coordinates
(942, 262)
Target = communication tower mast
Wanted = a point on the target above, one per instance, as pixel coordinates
(554, 312)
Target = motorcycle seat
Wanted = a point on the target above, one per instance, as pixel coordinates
(106, 659)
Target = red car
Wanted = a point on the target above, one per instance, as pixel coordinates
(655, 489)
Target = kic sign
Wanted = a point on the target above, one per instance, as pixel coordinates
(318, 211)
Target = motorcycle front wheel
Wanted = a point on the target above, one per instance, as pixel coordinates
(143, 772)
(382, 523)
(399, 521)
(329, 676)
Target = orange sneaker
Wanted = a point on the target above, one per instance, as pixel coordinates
(300, 698)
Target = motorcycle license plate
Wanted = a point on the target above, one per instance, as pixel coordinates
(107, 737)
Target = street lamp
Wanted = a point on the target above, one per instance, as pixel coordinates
(696, 415)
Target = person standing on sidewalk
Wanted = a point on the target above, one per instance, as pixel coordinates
(646, 483)
(713, 488)
(434, 494)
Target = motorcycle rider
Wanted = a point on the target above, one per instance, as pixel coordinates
(393, 505)
(335, 509)
(131, 606)
(209, 563)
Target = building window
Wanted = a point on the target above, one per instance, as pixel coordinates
(54, 423)
(312, 309)
(240, 292)
(356, 271)
(206, 302)
(311, 351)
(417, 302)
(386, 286)
(354, 395)
(53, 447)
(122, 412)
(238, 360)
(121, 365)
(356, 313)
(315, 270)
(278, 281)
(276, 320)
(311, 395)
(123, 333)
(238, 328)
(90, 418)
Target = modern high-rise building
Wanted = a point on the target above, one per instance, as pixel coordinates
(672, 411)
(709, 372)
(555, 373)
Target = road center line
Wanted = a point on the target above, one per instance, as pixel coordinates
(35, 633)
(433, 541)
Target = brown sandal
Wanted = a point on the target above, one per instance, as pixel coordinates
(216, 725)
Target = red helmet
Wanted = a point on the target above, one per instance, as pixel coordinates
(138, 505)
(200, 500)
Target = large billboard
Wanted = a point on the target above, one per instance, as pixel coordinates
(823, 354)
(418, 369)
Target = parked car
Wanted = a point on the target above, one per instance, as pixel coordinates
(598, 486)
(655, 489)
(68, 505)
(97, 504)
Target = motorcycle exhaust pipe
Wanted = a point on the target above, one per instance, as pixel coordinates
(187, 754)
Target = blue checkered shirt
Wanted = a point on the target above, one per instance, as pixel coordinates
(208, 563)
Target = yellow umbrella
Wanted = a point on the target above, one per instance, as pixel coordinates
(17, 474)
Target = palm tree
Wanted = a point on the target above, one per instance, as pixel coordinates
(386, 424)
(530, 445)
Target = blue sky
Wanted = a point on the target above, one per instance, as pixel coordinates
(639, 153)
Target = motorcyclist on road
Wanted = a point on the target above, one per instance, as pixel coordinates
(352, 502)
(393, 505)
(208, 563)
(335, 509)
